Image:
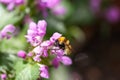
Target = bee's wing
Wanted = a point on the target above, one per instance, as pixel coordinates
(68, 49)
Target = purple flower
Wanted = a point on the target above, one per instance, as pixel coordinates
(19, 2)
(59, 10)
(12, 3)
(45, 53)
(55, 36)
(66, 60)
(42, 5)
(45, 43)
(44, 71)
(44, 46)
(51, 3)
(30, 54)
(55, 62)
(10, 6)
(38, 50)
(42, 27)
(22, 54)
(5, 1)
(95, 5)
(57, 51)
(112, 14)
(42, 49)
(7, 31)
(36, 32)
(3, 76)
(37, 58)
(27, 19)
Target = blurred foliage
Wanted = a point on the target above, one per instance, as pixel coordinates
(9, 17)
(79, 24)
(26, 71)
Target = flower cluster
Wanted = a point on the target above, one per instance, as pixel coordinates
(54, 5)
(12, 3)
(44, 52)
(7, 31)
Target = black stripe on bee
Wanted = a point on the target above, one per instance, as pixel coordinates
(60, 45)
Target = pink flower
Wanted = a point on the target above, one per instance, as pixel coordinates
(27, 19)
(43, 5)
(38, 50)
(57, 51)
(36, 32)
(59, 10)
(44, 71)
(64, 59)
(45, 43)
(45, 53)
(51, 3)
(112, 14)
(5, 1)
(22, 54)
(7, 31)
(55, 62)
(3, 76)
(19, 2)
(30, 54)
(55, 36)
(95, 5)
(42, 49)
(37, 58)
(12, 3)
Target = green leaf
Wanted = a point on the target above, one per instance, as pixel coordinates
(81, 15)
(62, 73)
(26, 71)
(55, 24)
(77, 33)
(7, 17)
(12, 46)
(6, 61)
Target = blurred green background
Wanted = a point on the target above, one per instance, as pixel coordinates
(93, 28)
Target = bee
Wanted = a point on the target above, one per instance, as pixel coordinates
(64, 44)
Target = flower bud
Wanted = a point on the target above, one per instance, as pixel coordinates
(22, 54)
(3, 76)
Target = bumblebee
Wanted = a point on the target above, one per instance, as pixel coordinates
(64, 44)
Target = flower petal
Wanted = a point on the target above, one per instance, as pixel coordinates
(38, 50)
(59, 10)
(55, 36)
(52, 3)
(32, 26)
(46, 43)
(44, 72)
(6, 30)
(42, 27)
(21, 54)
(55, 62)
(37, 58)
(45, 53)
(66, 60)
(3, 76)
